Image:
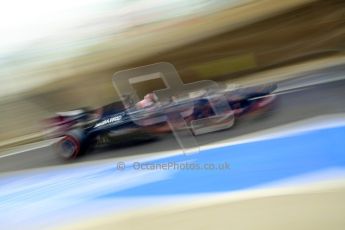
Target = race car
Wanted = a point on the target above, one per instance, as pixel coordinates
(150, 117)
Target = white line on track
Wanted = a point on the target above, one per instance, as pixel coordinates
(311, 83)
(28, 147)
(307, 125)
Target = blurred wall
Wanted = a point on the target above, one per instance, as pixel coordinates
(309, 32)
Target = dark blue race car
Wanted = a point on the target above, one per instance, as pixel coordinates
(148, 118)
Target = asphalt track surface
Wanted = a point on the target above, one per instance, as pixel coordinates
(291, 106)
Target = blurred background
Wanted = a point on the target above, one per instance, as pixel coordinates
(61, 55)
(287, 167)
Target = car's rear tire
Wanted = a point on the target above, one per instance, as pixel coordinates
(73, 144)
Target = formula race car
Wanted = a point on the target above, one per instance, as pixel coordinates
(145, 120)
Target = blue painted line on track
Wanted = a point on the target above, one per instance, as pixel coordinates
(39, 198)
(252, 164)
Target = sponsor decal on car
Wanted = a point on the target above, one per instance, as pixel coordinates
(109, 120)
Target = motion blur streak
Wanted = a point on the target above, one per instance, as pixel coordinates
(281, 65)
